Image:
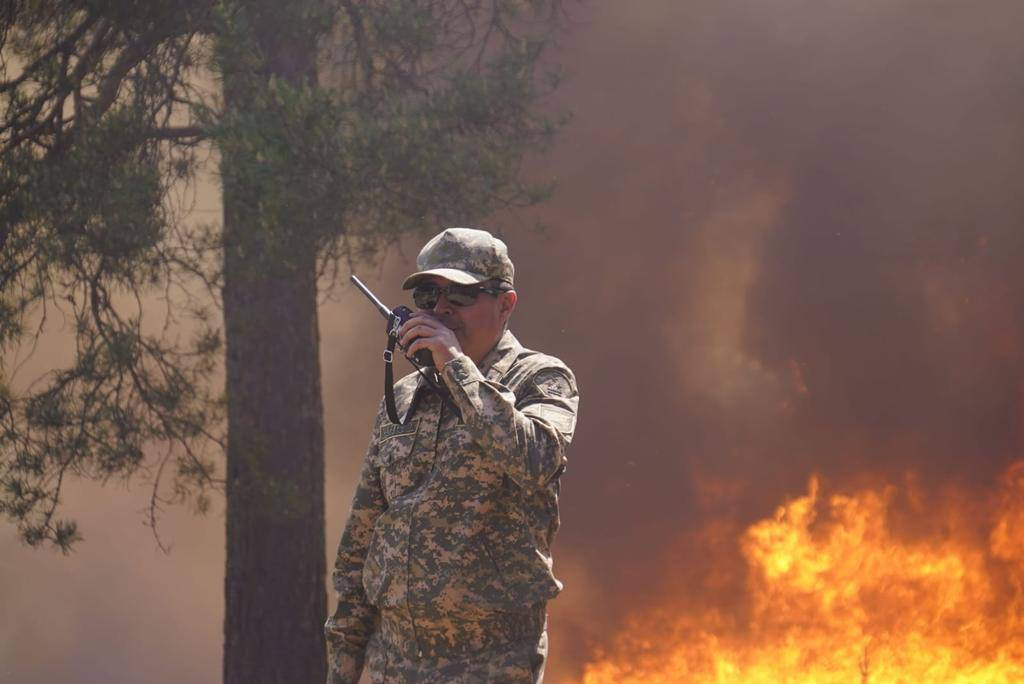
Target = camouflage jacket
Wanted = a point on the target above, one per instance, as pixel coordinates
(454, 515)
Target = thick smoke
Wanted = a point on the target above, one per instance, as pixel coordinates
(790, 244)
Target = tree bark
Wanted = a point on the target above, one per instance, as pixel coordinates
(275, 598)
(275, 602)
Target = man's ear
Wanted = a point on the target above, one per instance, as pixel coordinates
(508, 304)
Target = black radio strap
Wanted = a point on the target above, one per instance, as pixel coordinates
(389, 383)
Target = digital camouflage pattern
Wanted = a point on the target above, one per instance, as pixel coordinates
(519, 661)
(463, 255)
(446, 556)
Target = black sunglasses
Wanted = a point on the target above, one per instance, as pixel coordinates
(426, 296)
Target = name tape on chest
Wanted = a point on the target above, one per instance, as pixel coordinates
(391, 430)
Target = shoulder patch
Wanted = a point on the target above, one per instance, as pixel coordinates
(553, 383)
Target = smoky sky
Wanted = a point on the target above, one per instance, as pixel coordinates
(786, 239)
(792, 246)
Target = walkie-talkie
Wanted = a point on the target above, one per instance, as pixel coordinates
(395, 318)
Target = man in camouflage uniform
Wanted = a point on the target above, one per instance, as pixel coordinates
(444, 568)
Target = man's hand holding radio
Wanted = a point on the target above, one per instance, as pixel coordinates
(423, 330)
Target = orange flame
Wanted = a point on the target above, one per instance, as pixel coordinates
(834, 594)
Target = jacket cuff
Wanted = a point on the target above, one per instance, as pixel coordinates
(460, 371)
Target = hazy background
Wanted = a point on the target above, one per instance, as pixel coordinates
(787, 238)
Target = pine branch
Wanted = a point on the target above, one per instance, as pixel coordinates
(65, 46)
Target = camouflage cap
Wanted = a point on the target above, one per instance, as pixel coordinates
(462, 255)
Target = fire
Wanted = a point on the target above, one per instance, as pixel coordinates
(833, 591)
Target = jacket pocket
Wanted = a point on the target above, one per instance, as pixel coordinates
(522, 571)
(498, 574)
(489, 588)
(398, 473)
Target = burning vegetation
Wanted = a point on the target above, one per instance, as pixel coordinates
(882, 583)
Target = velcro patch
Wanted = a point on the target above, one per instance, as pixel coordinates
(553, 383)
(392, 430)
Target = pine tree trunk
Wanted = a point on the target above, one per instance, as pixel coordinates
(275, 598)
(275, 602)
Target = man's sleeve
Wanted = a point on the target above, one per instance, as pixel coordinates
(354, 620)
(529, 437)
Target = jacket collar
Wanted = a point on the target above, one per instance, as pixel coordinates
(501, 357)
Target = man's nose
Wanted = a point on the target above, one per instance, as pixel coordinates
(443, 306)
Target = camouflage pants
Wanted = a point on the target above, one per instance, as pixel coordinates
(392, 658)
